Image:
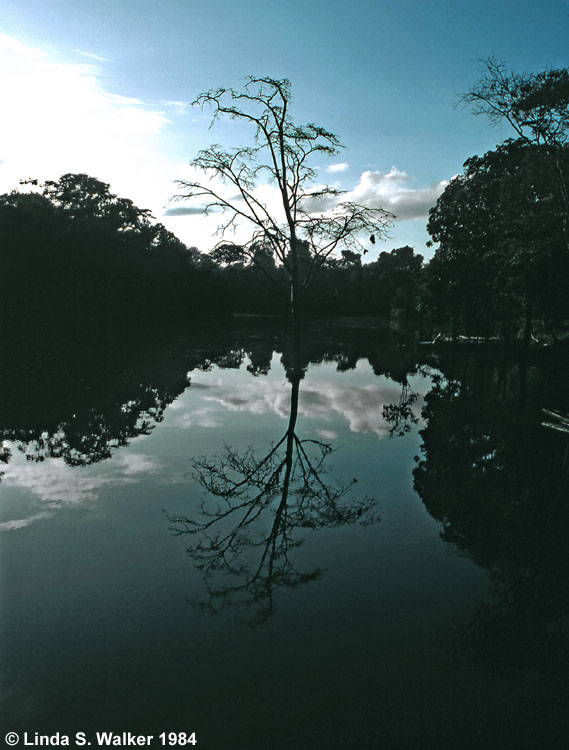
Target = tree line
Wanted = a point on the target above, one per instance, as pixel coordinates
(77, 257)
(73, 251)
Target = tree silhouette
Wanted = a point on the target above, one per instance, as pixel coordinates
(78, 258)
(535, 105)
(312, 222)
(255, 511)
(502, 259)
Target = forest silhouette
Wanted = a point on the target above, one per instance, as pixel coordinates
(78, 259)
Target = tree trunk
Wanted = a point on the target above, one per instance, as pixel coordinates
(507, 330)
(295, 292)
(528, 326)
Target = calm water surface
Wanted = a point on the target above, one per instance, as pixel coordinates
(315, 543)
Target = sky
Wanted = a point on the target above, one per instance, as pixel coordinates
(104, 87)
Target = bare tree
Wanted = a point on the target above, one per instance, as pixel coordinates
(312, 221)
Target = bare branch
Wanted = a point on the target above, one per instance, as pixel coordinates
(281, 154)
(536, 105)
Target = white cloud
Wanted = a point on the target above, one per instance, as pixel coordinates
(54, 485)
(58, 117)
(360, 407)
(328, 434)
(180, 107)
(201, 417)
(132, 464)
(91, 55)
(341, 167)
(387, 190)
(21, 523)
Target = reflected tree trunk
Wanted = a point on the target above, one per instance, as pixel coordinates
(256, 510)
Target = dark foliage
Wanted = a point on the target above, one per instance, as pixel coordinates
(494, 472)
(388, 287)
(502, 263)
(502, 226)
(78, 258)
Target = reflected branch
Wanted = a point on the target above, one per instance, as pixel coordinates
(257, 510)
(400, 416)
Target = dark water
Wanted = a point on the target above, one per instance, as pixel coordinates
(322, 542)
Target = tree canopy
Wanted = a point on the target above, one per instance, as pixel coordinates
(75, 255)
(502, 261)
(535, 105)
(501, 254)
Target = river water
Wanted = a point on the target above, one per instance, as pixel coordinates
(322, 540)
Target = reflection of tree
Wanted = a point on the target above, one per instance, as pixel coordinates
(81, 403)
(81, 400)
(5, 455)
(498, 482)
(256, 510)
(400, 416)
